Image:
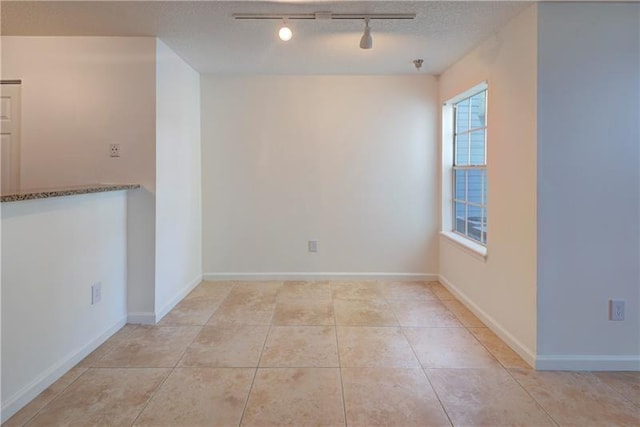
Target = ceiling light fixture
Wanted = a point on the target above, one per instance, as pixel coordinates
(366, 42)
(285, 32)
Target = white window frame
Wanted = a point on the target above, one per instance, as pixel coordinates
(472, 246)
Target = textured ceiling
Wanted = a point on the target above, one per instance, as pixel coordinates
(206, 36)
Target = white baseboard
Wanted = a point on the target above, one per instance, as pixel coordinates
(142, 318)
(14, 403)
(178, 297)
(548, 362)
(588, 363)
(524, 352)
(151, 318)
(212, 277)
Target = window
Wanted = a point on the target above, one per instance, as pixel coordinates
(469, 170)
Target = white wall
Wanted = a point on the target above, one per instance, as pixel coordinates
(347, 160)
(178, 254)
(53, 250)
(80, 94)
(588, 184)
(141, 261)
(502, 288)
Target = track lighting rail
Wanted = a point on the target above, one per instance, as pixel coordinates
(285, 33)
(324, 16)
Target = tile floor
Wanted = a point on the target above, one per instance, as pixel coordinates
(324, 353)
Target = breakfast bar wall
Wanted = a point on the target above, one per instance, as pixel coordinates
(53, 251)
(79, 96)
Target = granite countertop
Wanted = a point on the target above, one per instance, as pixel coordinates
(46, 193)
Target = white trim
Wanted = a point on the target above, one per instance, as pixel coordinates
(144, 318)
(580, 362)
(515, 344)
(25, 395)
(319, 276)
(178, 297)
(467, 245)
(483, 85)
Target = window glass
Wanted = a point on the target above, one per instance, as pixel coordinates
(477, 147)
(460, 185)
(474, 186)
(469, 167)
(477, 110)
(460, 217)
(484, 226)
(462, 116)
(462, 149)
(474, 222)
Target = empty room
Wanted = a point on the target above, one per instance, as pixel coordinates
(310, 213)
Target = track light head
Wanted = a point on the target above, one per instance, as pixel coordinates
(366, 42)
(285, 32)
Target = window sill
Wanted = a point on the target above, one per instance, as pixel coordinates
(474, 249)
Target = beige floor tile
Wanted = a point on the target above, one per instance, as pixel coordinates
(361, 290)
(440, 291)
(94, 357)
(102, 397)
(501, 351)
(211, 290)
(353, 312)
(577, 398)
(425, 313)
(199, 397)
(150, 347)
(371, 347)
(625, 383)
(226, 346)
(300, 346)
(390, 397)
(258, 286)
(485, 397)
(298, 382)
(448, 348)
(306, 290)
(248, 305)
(298, 311)
(50, 393)
(466, 317)
(192, 311)
(410, 291)
(296, 397)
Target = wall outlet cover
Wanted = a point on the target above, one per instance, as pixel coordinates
(96, 293)
(616, 309)
(114, 150)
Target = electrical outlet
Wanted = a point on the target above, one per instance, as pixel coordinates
(114, 150)
(616, 309)
(313, 246)
(96, 293)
